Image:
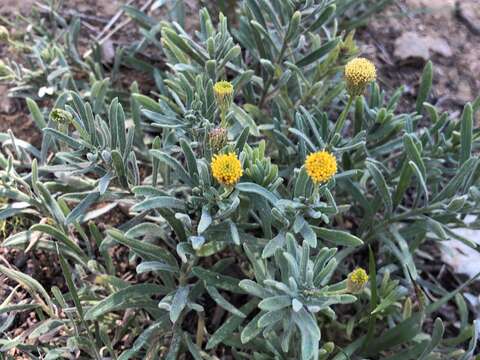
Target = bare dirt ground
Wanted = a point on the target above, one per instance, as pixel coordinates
(400, 40)
(407, 34)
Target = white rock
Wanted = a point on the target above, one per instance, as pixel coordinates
(461, 257)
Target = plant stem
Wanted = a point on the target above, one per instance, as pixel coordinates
(223, 119)
(343, 116)
(270, 78)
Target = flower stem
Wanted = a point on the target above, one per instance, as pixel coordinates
(343, 116)
(223, 119)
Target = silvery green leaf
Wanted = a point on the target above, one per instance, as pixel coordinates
(145, 250)
(120, 170)
(310, 333)
(130, 297)
(466, 133)
(258, 190)
(296, 305)
(309, 235)
(437, 335)
(80, 211)
(271, 317)
(150, 229)
(324, 17)
(275, 303)
(425, 85)
(147, 266)
(37, 116)
(245, 120)
(413, 152)
(217, 280)
(224, 213)
(254, 289)
(190, 157)
(184, 249)
(197, 241)
(144, 337)
(222, 302)
(278, 286)
(251, 330)
(211, 248)
(70, 141)
(179, 302)
(338, 237)
(159, 202)
(233, 232)
(173, 164)
(318, 53)
(273, 245)
(205, 220)
(323, 275)
(242, 139)
(381, 185)
(230, 325)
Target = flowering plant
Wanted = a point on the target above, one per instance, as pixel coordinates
(264, 219)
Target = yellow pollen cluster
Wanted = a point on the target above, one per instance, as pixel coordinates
(359, 276)
(226, 169)
(321, 166)
(223, 88)
(359, 73)
(357, 280)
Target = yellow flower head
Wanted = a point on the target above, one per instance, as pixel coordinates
(359, 73)
(321, 166)
(357, 280)
(223, 91)
(226, 169)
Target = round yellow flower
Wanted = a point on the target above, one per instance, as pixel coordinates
(359, 73)
(223, 88)
(357, 280)
(226, 169)
(321, 166)
(223, 91)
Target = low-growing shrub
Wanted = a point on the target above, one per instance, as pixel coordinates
(278, 204)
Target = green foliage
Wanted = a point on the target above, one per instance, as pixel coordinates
(259, 270)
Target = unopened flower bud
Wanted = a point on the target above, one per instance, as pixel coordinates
(217, 139)
(4, 34)
(223, 91)
(60, 116)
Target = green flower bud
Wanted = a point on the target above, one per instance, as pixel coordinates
(4, 35)
(61, 116)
